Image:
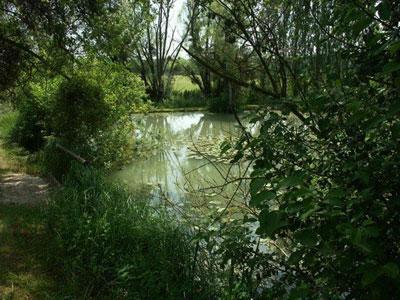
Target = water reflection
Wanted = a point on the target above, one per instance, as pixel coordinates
(176, 167)
(179, 123)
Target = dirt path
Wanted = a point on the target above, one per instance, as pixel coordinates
(19, 188)
(16, 185)
(23, 241)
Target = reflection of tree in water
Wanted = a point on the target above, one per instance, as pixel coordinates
(177, 129)
(185, 165)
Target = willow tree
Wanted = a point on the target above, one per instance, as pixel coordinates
(212, 39)
(48, 36)
(200, 41)
(158, 50)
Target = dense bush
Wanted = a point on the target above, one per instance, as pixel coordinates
(332, 199)
(219, 104)
(33, 124)
(80, 110)
(89, 113)
(327, 185)
(185, 99)
(114, 245)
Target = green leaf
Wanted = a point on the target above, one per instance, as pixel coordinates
(291, 181)
(384, 10)
(256, 184)
(394, 47)
(225, 146)
(361, 238)
(360, 25)
(370, 277)
(391, 67)
(309, 212)
(295, 207)
(335, 197)
(391, 269)
(396, 131)
(302, 291)
(371, 231)
(271, 222)
(295, 258)
(306, 237)
(353, 106)
(262, 197)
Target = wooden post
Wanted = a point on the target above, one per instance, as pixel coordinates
(75, 156)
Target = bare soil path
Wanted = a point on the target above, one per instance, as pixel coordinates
(24, 273)
(20, 188)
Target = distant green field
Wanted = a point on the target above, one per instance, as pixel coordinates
(183, 83)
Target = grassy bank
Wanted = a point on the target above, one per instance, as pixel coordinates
(183, 83)
(13, 157)
(112, 244)
(92, 240)
(248, 107)
(177, 109)
(24, 269)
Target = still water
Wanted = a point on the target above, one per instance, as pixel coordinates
(182, 155)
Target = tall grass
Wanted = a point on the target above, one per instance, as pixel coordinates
(183, 83)
(185, 99)
(184, 94)
(12, 157)
(7, 121)
(115, 245)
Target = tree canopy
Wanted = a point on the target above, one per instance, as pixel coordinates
(323, 192)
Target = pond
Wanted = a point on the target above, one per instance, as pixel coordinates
(185, 160)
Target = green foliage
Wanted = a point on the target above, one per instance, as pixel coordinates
(8, 118)
(326, 186)
(100, 97)
(184, 99)
(332, 198)
(325, 175)
(183, 83)
(124, 90)
(233, 258)
(10, 64)
(101, 128)
(36, 35)
(32, 125)
(181, 64)
(87, 117)
(219, 104)
(115, 245)
(80, 110)
(326, 167)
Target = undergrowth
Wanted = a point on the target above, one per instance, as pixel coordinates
(113, 245)
(13, 157)
(185, 99)
(24, 273)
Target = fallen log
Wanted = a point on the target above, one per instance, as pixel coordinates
(74, 155)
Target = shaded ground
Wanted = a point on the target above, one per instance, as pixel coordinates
(24, 246)
(19, 188)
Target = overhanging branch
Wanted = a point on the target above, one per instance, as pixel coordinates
(292, 107)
